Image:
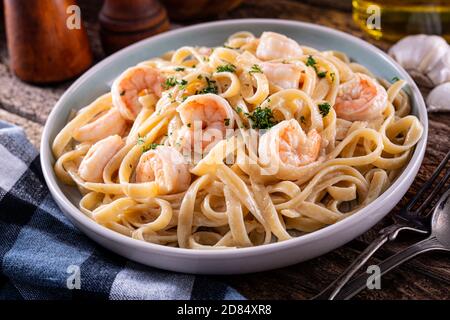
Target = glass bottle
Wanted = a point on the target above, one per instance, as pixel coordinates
(394, 19)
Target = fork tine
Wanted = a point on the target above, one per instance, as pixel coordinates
(428, 184)
(433, 193)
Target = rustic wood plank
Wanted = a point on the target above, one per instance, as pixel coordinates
(32, 129)
(304, 280)
(26, 100)
(345, 5)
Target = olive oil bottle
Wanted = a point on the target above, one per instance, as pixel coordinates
(394, 19)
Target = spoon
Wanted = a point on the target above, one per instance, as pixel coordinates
(439, 240)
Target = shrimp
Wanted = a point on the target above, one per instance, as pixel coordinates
(296, 147)
(210, 113)
(277, 46)
(290, 144)
(167, 167)
(361, 98)
(286, 76)
(106, 124)
(132, 84)
(92, 166)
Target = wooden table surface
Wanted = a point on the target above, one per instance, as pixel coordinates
(427, 277)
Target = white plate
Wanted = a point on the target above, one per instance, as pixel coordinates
(95, 82)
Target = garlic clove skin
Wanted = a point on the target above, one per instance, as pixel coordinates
(439, 98)
(424, 57)
(441, 71)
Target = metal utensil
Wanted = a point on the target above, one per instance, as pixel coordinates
(438, 240)
(411, 217)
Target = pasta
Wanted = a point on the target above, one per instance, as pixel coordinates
(256, 141)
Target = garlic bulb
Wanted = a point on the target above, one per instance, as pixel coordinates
(439, 98)
(426, 58)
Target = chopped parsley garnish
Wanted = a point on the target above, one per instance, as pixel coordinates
(395, 79)
(172, 82)
(179, 69)
(199, 77)
(322, 74)
(210, 87)
(226, 68)
(255, 69)
(188, 125)
(182, 84)
(226, 121)
(151, 146)
(169, 83)
(262, 118)
(238, 109)
(140, 140)
(311, 62)
(228, 47)
(324, 108)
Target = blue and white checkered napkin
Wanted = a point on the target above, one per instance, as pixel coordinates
(43, 256)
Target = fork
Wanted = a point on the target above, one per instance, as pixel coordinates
(408, 218)
(439, 240)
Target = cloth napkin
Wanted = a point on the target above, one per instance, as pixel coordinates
(43, 256)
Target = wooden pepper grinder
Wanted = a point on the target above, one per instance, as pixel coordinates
(124, 22)
(42, 47)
